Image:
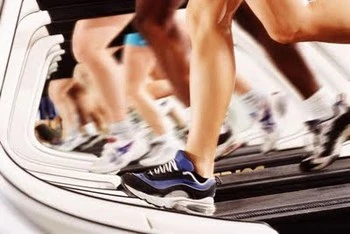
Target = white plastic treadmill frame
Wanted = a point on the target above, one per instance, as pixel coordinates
(35, 81)
(27, 155)
(28, 32)
(111, 213)
(24, 33)
(24, 39)
(8, 23)
(64, 207)
(29, 7)
(50, 202)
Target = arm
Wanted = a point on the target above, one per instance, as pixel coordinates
(296, 20)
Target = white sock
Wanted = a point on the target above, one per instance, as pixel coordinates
(253, 100)
(319, 105)
(72, 133)
(162, 138)
(124, 129)
(91, 129)
(225, 127)
(187, 114)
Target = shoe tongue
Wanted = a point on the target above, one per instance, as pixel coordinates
(182, 161)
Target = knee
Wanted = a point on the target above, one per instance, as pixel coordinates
(206, 16)
(78, 43)
(57, 93)
(148, 23)
(83, 49)
(83, 52)
(284, 36)
(75, 92)
(134, 91)
(285, 31)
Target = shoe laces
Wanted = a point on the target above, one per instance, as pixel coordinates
(218, 181)
(323, 128)
(340, 104)
(111, 151)
(165, 168)
(110, 141)
(266, 119)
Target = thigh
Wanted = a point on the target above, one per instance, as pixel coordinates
(232, 6)
(157, 10)
(218, 9)
(209, 16)
(143, 58)
(82, 76)
(157, 72)
(99, 31)
(60, 87)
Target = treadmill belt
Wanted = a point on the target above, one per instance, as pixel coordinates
(279, 191)
(246, 150)
(240, 163)
(237, 163)
(285, 204)
(281, 179)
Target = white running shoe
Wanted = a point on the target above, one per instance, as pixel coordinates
(162, 152)
(227, 143)
(274, 108)
(119, 154)
(72, 143)
(328, 136)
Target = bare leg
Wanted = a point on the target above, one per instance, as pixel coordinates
(290, 21)
(212, 72)
(88, 99)
(285, 57)
(242, 86)
(98, 117)
(160, 88)
(138, 62)
(154, 19)
(93, 53)
(318, 103)
(58, 92)
(78, 94)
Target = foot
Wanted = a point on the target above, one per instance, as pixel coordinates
(117, 155)
(227, 143)
(162, 151)
(72, 143)
(328, 136)
(267, 120)
(46, 134)
(174, 185)
(94, 145)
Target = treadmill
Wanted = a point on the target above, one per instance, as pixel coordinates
(254, 187)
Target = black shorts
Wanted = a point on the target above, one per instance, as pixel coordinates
(65, 67)
(46, 109)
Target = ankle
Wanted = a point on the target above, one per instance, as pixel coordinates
(203, 167)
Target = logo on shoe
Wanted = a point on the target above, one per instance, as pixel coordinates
(125, 149)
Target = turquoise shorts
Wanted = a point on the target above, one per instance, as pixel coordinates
(135, 39)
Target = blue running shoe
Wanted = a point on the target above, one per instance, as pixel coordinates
(174, 185)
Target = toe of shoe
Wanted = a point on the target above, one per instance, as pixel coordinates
(130, 179)
(306, 165)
